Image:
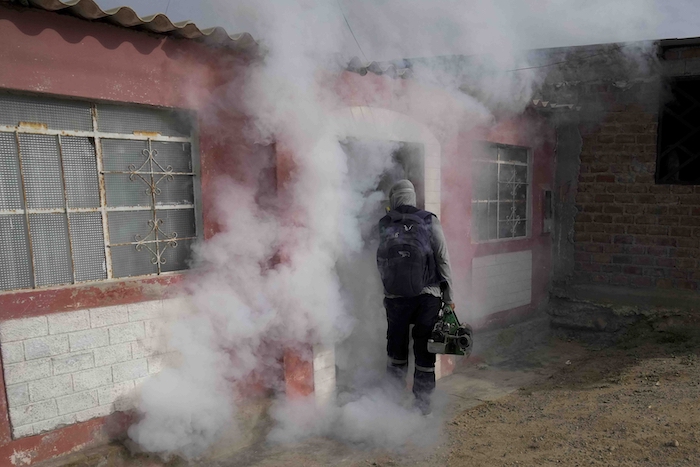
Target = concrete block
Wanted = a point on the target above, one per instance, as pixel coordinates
(25, 328)
(433, 185)
(148, 347)
(72, 362)
(89, 414)
(145, 310)
(27, 371)
(91, 379)
(47, 388)
(108, 316)
(108, 395)
(113, 354)
(72, 321)
(432, 197)
(77, 402)
(138, 382)
(47, 346)
(12, 352)
(54, 423)
(324, 357)
(432, 173)
(89, 339)
(172, 306)
(129, 370)
(126, 332)
(22, 431)
(33, 413)
(156, 327)
(157, 363)
(17, 394)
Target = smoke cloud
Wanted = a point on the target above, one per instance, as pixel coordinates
(300, 269)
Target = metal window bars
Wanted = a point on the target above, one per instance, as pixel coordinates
(500, 198)
(59, 209)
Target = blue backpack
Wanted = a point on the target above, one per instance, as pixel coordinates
(405, 255)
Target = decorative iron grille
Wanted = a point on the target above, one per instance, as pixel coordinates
(92, 192)
(500, 198)
(678, 160)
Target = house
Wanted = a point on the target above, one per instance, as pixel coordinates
(111, 139)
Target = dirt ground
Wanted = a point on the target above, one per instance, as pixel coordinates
(561, 403)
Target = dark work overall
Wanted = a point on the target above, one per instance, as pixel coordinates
(421, 311)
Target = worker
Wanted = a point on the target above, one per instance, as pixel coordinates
(415, 270)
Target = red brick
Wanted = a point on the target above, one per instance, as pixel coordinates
(667, 199)
(615, 188)
(626, 239)
(677, 274)
(620, 280)
(658, 251)
(605, 178)
(586, 178)
(661, 241)
(681, 232)
(636, 229)
(641, 281)
(581, 217)
(606, 138)
(612, 248)
(602, 219)
(595, 227)
(611, 268)
(695, 211)
(683, 253)
(614, 228)
(633, 209)
(625, 139)
(637, 189)
(599, 278)
(655, 272)
(660, 189)
(593, 248)
(601, 258)
(605, 198)
(665, 262)
(593, 208)
(681, 189)
(685, 263)
(632, 128)
(599, 167)
(589, 267)
(601, 238)
(679, 210)
(657, 230)
(687, 243)
(582, 237)
(645, 199)
(624, 198)
(628, 219)
(623, 259)
(655, 210)
(669, 220)
(613, 209)
(646, 139)
(582, 257)
(689, 285)
(636, 270)
(644, 260)
(645, 219)
(664, 283)
(690, 199)
(647, 179)
(635, 249)
(690, 221)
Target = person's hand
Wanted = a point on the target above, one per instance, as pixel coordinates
(452, 306)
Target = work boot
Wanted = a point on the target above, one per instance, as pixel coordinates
(422, 403)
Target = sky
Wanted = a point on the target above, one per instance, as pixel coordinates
(439, 27)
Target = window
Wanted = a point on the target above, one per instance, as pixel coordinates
(92, 191)
(500, 199)
(678, 160)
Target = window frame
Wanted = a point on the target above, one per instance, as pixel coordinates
(528, 198)
(96, 135)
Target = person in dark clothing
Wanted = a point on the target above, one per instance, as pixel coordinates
(421, 310)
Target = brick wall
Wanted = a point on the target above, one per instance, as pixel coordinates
(71, 367)
(630, 231)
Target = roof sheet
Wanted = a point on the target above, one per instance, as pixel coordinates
(158, 23)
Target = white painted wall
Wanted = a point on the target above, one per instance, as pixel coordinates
(502, 282)
(70, 367)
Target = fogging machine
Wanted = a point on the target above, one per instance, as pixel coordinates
(449, 336)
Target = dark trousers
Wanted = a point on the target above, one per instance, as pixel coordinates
(421, 311)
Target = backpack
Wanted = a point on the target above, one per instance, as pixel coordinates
(405, 256)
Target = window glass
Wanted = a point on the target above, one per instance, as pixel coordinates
(500, 187)
(57, 226)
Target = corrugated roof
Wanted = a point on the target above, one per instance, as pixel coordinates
(158, 23)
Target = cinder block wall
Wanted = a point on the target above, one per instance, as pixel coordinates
(630, 231)
(70, 367)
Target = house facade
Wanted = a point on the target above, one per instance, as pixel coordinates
(111, 139)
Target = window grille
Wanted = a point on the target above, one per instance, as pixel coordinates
(92, 191)
(678, 160)
(500, 198)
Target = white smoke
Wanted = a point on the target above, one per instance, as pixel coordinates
(302, 270)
